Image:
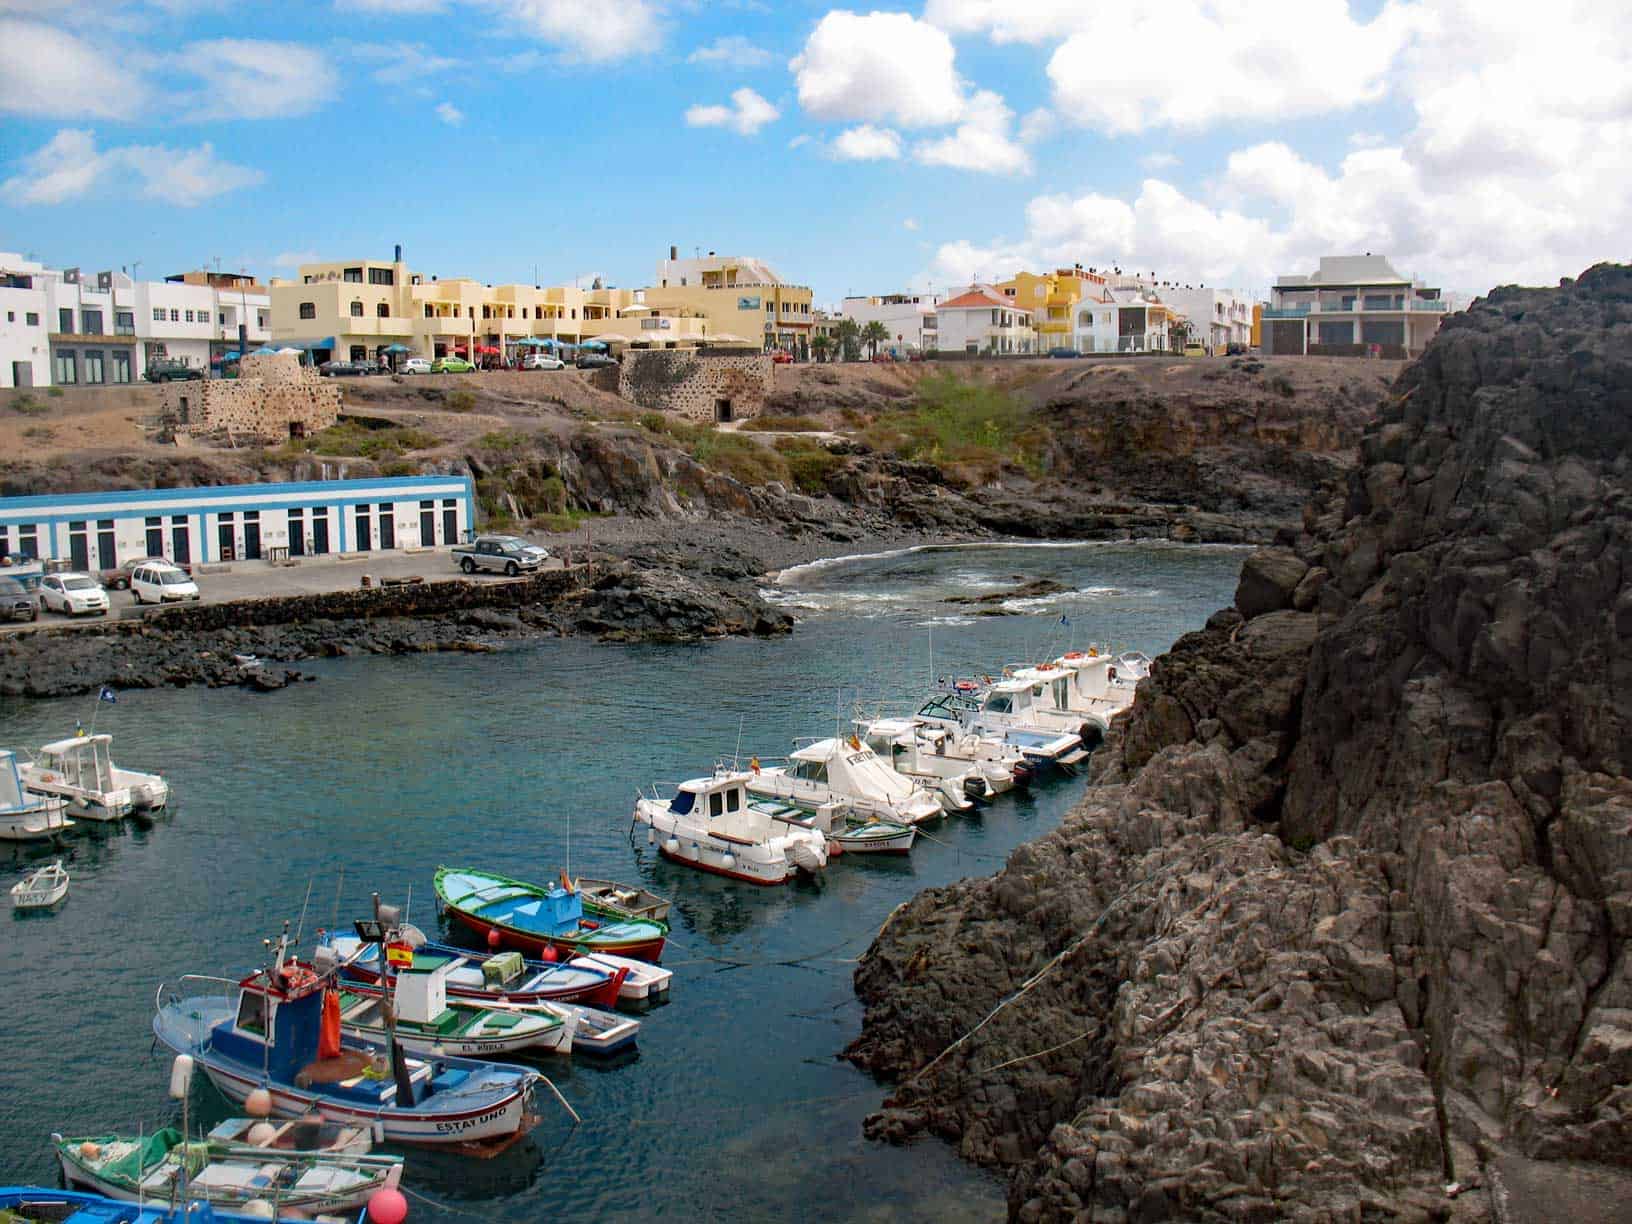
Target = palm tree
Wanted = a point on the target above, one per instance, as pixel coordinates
(820, 346)
(849, 334)
(875, 334)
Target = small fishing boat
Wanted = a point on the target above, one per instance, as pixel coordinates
(714, 825)
(428, 1022)
(991, 717)
(229, 1175)
(313, 1133)
(597, 1032)
(41, 1205)
(530, 918)
(875, 837)
(629, 900)
(272, 1033)
(81, 771)
(489, 978)
(1083, 686)
(930, 755)
(25, 816)
(642, 983)
(40, 889)
(846, 778)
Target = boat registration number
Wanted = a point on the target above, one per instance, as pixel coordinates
(464, 1124)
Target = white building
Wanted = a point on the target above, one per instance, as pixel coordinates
(1217, 318)
(239, 522)
(1125, 316)
(104, 328)
(983, 320)
(910, 317)
(1350, 303)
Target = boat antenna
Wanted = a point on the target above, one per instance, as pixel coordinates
(932, 658)
(300, 928)
(736, 753)
(338, 886)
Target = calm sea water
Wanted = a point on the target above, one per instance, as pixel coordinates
(383, 769)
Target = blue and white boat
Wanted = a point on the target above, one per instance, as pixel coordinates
(46, 1206)
(429, 1100)
(25, 816)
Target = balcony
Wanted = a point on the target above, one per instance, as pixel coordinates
(1287, 312)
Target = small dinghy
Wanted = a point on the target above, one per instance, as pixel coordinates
(595, 1031)
(237, 1176)
(627, 899)
(41, 1205)
(875, 837)
(530, 918)
(40, 889)
(642, 982)
(25, 816)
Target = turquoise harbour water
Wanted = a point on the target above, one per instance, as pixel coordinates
(737, 1105)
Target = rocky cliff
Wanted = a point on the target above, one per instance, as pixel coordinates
(1340, 928)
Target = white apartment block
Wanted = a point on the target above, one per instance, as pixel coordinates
(1351, 302)
(60, 327)
(1125, 316)
(983, 320)
(910, 317)
(1217, 318)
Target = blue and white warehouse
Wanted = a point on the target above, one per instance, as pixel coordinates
(99, 531)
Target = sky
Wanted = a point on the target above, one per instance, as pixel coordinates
(1219, 142)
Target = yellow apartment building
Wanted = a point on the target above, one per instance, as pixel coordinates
(1052, 298)
(743, 299)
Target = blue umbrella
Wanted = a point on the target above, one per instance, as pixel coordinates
(398, 348)
(593, 344)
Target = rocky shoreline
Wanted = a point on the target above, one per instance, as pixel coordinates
(1339, 931)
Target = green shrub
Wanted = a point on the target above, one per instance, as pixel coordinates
(399, 467)
(28, 405)
(352, 438)
(54, 392)
(1282, 385)
(462, 400)
(741, 458)
(809, 464)
(955, 423)
(40, 433)
(784, 424)
(503, 440)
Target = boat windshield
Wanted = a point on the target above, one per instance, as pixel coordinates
(680, 805)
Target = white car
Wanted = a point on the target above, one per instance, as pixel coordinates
(161, 584)
(542, 361)
(416, 365)
(74, 595)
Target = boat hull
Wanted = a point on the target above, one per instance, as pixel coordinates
(552, 1039)
(36, 822)
(895, 843)
(25, 1197)
(74, 1174)
(604, 993)
(530, 943)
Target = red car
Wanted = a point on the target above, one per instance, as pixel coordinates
(883, 358)
(781, 357)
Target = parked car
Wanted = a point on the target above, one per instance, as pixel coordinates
(160, 582)
(415, 365)
(1064, 352)
(595, 361)
(118, 579)
(451, 365)
(15, 601)
(781, 357)
(73, 595)
(542, 361)
(343, 369)
(884, 358)
(507, 554)
(171, 369)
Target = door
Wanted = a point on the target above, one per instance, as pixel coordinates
(224, 540)
(388, 525)
(320, 532)
(181, 541)
(252, 539)
(155, 537)
(450, 523)
(107, 555)
(79, 548)
(365, 530)
(297, 533)
(427, 524)
(22, 373)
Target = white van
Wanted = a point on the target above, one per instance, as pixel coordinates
(156, 583)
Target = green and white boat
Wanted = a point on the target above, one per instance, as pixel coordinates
(230, 1175)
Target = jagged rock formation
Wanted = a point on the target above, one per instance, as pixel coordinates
(1344, 919)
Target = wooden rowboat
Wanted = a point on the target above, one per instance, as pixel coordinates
(529, 918)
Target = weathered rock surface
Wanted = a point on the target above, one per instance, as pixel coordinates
(616, 601)
(1343, 919)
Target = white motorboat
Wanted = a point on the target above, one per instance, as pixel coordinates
(846, 832)
(41, 889)
(25, 816)
(712, 824)
(940, 757)
(843, 778)
(991, 717)
(1085, 685)
(81, 771)
(642, 980)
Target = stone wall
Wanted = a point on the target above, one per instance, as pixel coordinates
(696, 385)
(274, 396)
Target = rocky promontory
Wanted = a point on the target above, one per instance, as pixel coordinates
(1339, 931)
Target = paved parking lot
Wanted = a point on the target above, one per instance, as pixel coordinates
(308, 576)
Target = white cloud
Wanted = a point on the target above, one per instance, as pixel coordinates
(1006, 21)
(1366, 140)
(867, 143)
(402, 62)
(449, 114)
(1155, 162)
(801, 139)
(911, 223)
(981, 142)
(878, 68)
(1037, 124)
(254, 79)
(293, 259)
(747, 113)
(70, 166)
(49, 72)
(394, 8)
(731, 51)
(595, 34)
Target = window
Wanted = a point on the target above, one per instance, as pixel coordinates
(158, 314)
(383, 310)
(262, 317)
(124, 323)
(382, 276)
(65, 321)
(93, 366)
(252, 1013)
(188, 315)
(308, 310)
(175, 316)
(221, 319)
(32, 318)
(28, 540)
(121, 365)
(428, 313)
(356, 310)
(353, 276)
(67, 369)
(359, 352)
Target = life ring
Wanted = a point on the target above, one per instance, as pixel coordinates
(1073, 654)
(1047, 666)
(48, 777)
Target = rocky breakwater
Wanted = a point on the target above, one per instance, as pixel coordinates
(1339, 931)
(616, 600)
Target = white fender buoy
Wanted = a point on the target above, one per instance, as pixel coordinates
(729, 861)
(260, 1209)
(258, 1104)
(651, 835)
(672, 846)
(181, 1077)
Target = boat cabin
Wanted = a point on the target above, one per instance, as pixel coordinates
(724, 802)
(847, 767)
(422, 989)
(11, 784)
(1027, 691)
(902, 739)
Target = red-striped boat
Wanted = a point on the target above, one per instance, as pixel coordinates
(531, 918)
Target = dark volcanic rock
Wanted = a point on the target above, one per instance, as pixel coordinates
(1026, 590)
(1344, 918)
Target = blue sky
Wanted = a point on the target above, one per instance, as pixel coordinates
(855, 150)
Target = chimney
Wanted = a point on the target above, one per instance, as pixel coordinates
(674, 253)
(397, 258)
